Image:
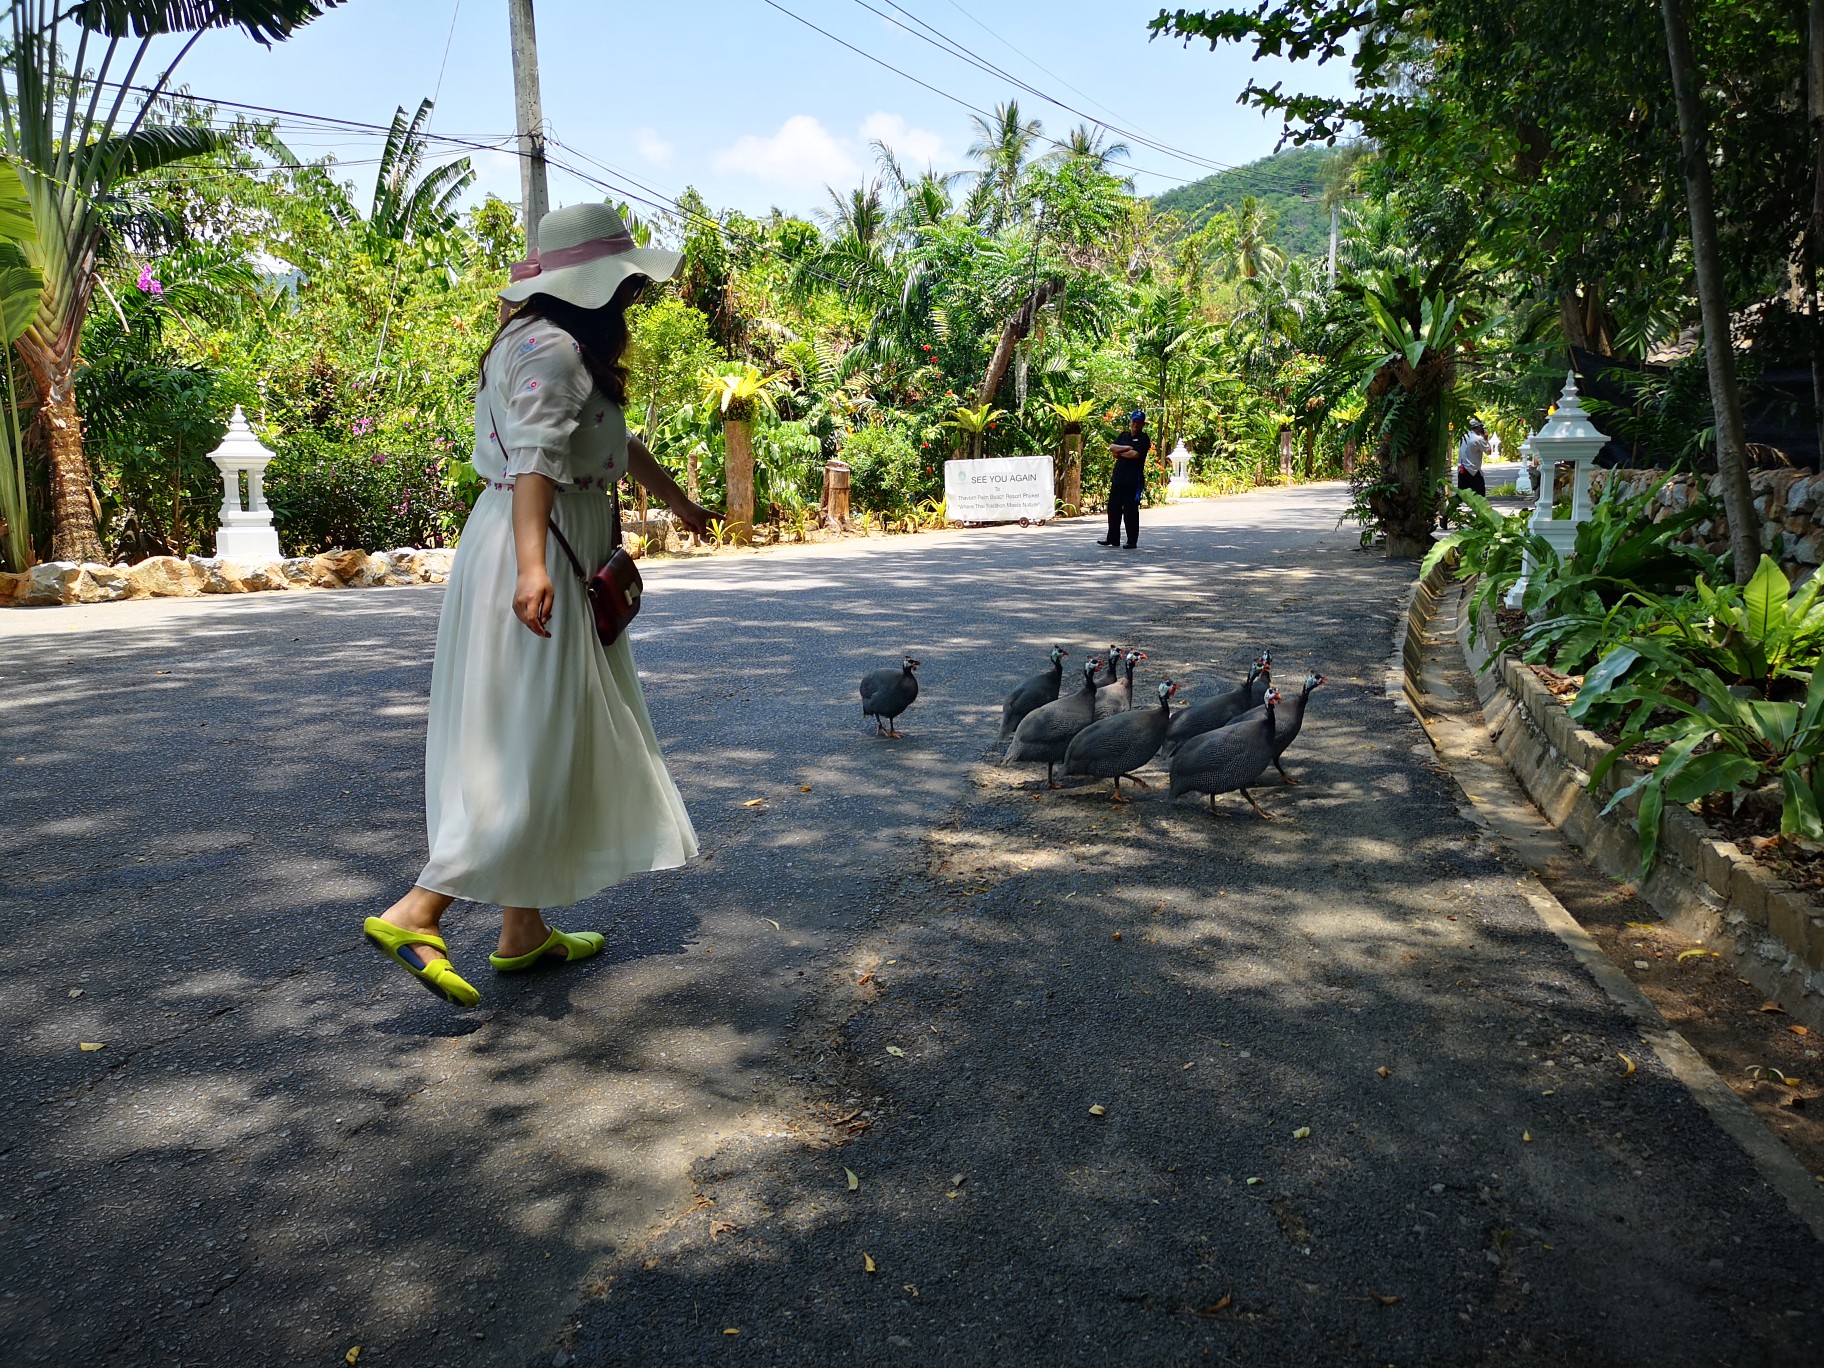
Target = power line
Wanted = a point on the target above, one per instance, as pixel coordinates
(936, 38)
(1018, 52)
(940, 93)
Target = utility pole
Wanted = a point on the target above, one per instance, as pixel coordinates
(534, 196)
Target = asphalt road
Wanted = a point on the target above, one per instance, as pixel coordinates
(284, 1150)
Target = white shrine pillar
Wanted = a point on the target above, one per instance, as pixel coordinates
(247, 535)
(1181, 470)
(1568, 435)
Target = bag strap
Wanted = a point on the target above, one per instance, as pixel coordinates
(575, 564)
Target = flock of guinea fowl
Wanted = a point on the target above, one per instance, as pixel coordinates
(1225, 744)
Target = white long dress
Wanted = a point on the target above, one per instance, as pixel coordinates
(543, 781)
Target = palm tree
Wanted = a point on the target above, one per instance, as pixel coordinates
(409, 207)
(1165, 325)
(1002, 147)
(1253, 251)
(739, 393)
(19, 287)
(62, 131)
(1091, 147)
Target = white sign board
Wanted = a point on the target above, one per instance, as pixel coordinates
(999, 489)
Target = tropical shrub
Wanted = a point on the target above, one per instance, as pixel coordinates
(326, 495)
(888, 471)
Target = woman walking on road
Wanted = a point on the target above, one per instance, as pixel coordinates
(543, 779)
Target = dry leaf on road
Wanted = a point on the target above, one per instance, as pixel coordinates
(896, 1051)
(867, 1263)
(1384, 1071)
(1221, 1304)
(1098, 1110)
(1627, 1072)
(1302, 1133)
(89, 1046)
(854, 1182)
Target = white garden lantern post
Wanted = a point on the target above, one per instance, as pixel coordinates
(1523, 483)
(1568, 436)
(1181, 470)
(247, 535)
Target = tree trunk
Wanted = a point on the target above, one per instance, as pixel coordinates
(1013, 332)
(738, 473)
(73, 533)
(1719, 344)
(1814, 239)
(1071, 486)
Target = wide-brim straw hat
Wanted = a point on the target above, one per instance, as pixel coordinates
(584, 255)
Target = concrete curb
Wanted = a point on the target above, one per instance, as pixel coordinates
(1700, 883)
(1498, 802)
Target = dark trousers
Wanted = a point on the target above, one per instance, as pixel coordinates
(1472, 479)
(1124, 500)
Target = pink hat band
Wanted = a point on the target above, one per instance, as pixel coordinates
(560, 257)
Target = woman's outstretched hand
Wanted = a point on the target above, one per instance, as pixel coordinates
(532, 599)
(694, 516)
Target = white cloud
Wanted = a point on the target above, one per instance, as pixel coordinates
(802, 155)
(917, 147)
(651, 146)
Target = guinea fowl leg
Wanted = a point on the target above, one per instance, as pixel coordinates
(1118, 798)
(1135, 779)
(1265, 817)
(1049, 781)
(1282, 773)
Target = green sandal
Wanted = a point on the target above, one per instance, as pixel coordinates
(439, 976)
(576, 947)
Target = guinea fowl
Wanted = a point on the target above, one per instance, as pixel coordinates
(1046, 731)
(888, 693)
(1227, 761)
(1034, 693)
(1218, 711)
(1114, 747)
(1118, 697)
(1286, 723)
(1265, 681)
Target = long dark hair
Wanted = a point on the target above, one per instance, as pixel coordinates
(600, 334)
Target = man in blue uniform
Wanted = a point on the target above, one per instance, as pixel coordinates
(1128, 480)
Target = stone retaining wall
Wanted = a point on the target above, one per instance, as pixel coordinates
(55, 582)
(1701, 883)
(1790, 502)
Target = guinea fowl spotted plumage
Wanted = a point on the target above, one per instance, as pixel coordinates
(888, 693)
(1034, 693)
(1288, 721)
(1114, 747)
(1046, 731)
(1220, 710)
(1230, 760)
(1118, 697)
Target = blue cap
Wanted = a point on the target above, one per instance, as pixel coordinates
(1137, 416)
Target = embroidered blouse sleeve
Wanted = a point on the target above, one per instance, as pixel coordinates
(546, 385)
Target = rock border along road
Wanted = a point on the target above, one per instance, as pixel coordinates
(285, 1150)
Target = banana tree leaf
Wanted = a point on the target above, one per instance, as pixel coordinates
(20, 287)
(266, 23)
(147, 149)
(15, 207)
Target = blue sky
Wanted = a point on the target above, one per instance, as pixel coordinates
(736, 98)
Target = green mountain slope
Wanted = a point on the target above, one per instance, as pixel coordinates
(1291, 183)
